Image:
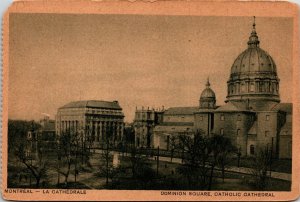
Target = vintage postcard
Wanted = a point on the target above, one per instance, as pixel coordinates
(163, 100)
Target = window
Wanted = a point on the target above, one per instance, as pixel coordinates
(239, 117)
(252, 87)
(267, 117)
(238, 132)
(242, 88)
(252, 151)
(260, 86)
(222, 131)
(267, 133)
(201, 118)
(222, 118)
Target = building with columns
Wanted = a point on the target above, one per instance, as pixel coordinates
(252, 117)
(92, 119)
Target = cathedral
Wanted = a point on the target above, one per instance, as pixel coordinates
(252, 115)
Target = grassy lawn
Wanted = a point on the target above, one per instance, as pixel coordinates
(167, 179)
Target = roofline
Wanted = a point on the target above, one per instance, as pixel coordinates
(238, 111)
(179, 114)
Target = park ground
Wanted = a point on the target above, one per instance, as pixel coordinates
(164, 176)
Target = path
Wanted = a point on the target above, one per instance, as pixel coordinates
(277, 175)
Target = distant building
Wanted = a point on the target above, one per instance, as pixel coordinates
(176, 121)
(144, 121)
(41, 138)
(47, 134)
(129, 137)
(47, 130)
(94, 120)
(252, 116)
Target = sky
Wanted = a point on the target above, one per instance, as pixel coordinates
(138, 60)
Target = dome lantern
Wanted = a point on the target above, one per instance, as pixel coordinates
(253, 39)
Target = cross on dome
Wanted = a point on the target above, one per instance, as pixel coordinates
(253, 39)
(207, 83)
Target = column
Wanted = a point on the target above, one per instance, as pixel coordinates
(101, 130)
(94, 131)
(97, 131)
(104, 130)
(118, 130)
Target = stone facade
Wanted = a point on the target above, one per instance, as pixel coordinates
(96, 120)
(176, 121)
(144, 121)
(252, 116)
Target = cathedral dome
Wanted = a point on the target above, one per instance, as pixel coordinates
(208, 93)
(253, 74)
(253, 60)
(208, 97)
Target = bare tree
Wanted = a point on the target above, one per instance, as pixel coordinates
(194, 166)
(221, 148)
(106, 155)
(107, 169)
(261, 163)
(203, 154)
(36, 164)
(24, 141)
(68, 153)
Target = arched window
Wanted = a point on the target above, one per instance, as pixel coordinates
(260, 87)
(252, 87)
(242, 88)
(252, 151)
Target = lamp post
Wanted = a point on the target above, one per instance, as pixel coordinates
(157, 166)
(271, 155)
(58, 163)
(239, 156)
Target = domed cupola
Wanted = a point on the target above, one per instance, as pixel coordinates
(207, 98)
(253, 74)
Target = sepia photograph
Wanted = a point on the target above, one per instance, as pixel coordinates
(175, 103)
